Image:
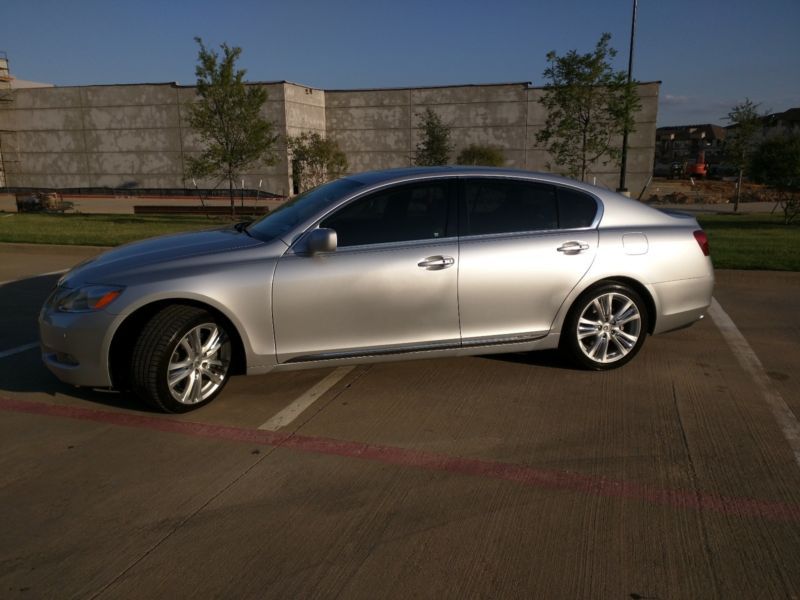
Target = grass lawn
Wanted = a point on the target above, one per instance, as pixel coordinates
(754, 241)
(96, 230)
(751, 241)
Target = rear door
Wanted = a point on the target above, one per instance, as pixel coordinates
(524, 246)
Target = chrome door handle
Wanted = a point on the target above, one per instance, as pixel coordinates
(573, 247)
(435, 263)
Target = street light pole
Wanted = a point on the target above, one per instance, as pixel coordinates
(624, 159)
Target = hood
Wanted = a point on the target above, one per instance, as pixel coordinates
(138, 257)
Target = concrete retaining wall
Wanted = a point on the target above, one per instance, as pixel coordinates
(136, 136)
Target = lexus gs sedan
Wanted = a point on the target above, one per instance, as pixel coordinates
(388, 265)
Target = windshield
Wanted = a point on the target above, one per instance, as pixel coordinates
(300, 208)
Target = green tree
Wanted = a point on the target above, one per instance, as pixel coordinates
(434, 147)
(588, 105)
(227, 117)
(315, 160)
(747, 121)
(484, 156)
(776, 163)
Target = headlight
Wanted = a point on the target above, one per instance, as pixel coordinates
(88, 298)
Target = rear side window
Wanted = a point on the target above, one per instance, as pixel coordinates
(397, 214)
(508, 206)
(575, 209)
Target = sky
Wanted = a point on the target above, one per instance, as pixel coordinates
(708, 54)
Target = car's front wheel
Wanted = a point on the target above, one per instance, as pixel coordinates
(605, 327)
(181, 360)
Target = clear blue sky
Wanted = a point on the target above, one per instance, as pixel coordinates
(709, 54)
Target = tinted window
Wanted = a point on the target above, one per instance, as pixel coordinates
(505, 206)
(301, 208)
(575, 209)
(398, 214)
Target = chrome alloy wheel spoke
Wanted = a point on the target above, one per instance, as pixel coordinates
(609, 327)
(199, 364)
(588, 328)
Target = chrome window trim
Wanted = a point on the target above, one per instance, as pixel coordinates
(383, 246)
(519, 234)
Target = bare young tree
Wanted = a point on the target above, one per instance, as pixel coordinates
(227, 117)
(747, 121)
(588, 104)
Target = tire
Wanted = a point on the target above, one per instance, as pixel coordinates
(600, 339)
(190, 344)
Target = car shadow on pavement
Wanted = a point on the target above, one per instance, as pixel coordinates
(540, 358)
(24, 372)
(20, 302)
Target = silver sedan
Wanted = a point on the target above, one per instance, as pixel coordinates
(389, 265)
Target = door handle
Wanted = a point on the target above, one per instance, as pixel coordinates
(436, 263)
(573, 247)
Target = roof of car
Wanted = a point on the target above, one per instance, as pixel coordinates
(386, 175)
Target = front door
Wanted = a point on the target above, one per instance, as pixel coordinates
(390, 286)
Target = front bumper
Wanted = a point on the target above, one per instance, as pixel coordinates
(75, 346)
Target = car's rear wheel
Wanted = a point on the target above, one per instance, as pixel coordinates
(181, 360)
(606, 327)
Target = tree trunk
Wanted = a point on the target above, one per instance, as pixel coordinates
(583, 157)
(738, 192)
(230, 192)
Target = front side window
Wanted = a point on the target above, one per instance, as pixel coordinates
(401, 213)
(508, 206)
(300, 208)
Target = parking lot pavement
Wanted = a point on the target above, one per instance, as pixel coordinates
(502, 476)
(764, 305)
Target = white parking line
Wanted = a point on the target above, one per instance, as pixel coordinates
(7, 281)
(786, 419)
(291, 412)
(18, 349)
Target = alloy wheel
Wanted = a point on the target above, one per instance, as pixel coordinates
(609, 327)
(199, 364)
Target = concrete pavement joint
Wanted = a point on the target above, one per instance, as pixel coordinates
(428, 461)
(18, 349)
(749, 361)
(709, 553)
(183, 522)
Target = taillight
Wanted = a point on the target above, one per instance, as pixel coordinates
(702, 240)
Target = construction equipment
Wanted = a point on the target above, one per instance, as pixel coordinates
(697, 167)
(48, 202)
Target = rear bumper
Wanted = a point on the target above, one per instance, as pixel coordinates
(682, 302)
(74, 346)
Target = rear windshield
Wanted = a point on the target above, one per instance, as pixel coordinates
(300, 208)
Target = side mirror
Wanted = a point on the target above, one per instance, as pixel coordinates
(321, 240)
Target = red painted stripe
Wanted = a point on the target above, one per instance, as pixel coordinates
(521, 474)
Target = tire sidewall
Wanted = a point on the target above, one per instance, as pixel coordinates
(569, 332)
(165, 395)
